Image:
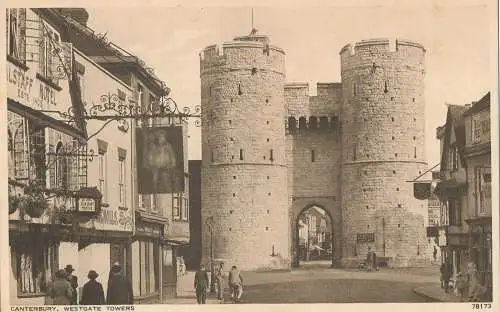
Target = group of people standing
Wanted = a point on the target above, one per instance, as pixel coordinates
(467, 284)
(63, 290)
(202, 283)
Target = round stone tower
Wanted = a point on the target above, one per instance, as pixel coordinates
(383, 146)
(244, 176)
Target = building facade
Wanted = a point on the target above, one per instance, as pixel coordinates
(477, 155)
(347, 150)
(52, 159)
(451, 189)
(60, 73)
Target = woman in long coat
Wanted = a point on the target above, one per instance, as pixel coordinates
(92, 292)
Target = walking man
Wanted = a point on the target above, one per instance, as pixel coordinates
(369, 260)
(236, 284)
(220, 275)
(201, 284)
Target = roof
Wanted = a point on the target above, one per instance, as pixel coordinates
(92, 44)
(455, 119)
(482, 104)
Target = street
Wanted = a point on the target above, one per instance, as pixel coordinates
(325, 285)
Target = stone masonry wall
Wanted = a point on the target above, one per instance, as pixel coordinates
(244, 176)
(382, 147)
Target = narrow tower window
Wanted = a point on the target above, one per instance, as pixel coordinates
(415, 152)
(385, 87)
(241, 154)
(313, 156)
(271, 158)
(354, 153)
(212, 156)
(239, 89)
(254, 71)
(354, 89)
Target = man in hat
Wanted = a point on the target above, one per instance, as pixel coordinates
(119, 288)
(73, 281)
(92, 291)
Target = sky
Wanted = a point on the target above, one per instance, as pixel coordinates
(458, 36)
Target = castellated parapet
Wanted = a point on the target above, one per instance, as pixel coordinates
(383, 145)
(244, 182)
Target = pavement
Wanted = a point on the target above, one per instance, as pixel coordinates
(435, 292)
(326, 285)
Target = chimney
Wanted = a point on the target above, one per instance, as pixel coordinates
(78, 14)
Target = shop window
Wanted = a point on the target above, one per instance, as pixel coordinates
(185, 209)
(36, 264)
(454, 211)
(176, 207)
(122, 181)
(482, 189)
(149, 264)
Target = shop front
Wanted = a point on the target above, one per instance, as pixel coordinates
(480, 250)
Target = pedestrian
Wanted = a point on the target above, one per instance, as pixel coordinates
(462, 286)
(446, 274)
(369, 261)
(220, 275)
(119, 288)
(374, 260)
(201, 284)
(236, 284)
(73, 280)
(434, 253)
(92, 291)
(60, 290)
(475, 289)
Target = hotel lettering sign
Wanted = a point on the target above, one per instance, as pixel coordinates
(148, 230)
(25, 88)
(365, 237)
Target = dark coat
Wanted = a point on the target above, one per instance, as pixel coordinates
(73, 280)
(92, 293)
(446, 271)
(61, 292)
(201, 280)
(119, 290)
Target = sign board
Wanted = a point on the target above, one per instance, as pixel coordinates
(24, 87)
(365, 237)
(89, 200)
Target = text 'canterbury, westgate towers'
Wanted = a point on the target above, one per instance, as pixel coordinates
(365, 135)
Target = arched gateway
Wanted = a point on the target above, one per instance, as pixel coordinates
(314, 238)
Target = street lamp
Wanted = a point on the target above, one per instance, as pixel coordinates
(210, 222)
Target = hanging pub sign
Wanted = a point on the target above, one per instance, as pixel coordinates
(88, 200)
(160, 160)
(421, 190)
